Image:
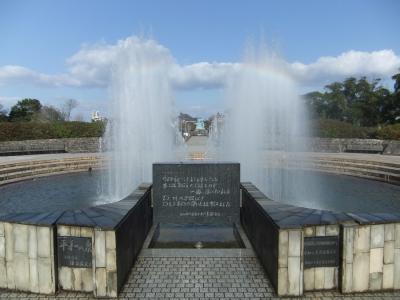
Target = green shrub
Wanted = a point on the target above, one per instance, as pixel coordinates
(17, 131)
(389, 132)
(326, 128)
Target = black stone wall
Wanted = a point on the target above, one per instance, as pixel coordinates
(262, 233)
(130, 236)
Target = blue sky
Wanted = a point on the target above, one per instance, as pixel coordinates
(40, 36)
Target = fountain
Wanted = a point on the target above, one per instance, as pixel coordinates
(142, 129)
(264, 119)
(203, 208)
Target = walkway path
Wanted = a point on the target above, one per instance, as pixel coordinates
(200, 278)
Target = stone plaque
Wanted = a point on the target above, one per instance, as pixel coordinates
(74, 252)
(196, 193)
(321, 251)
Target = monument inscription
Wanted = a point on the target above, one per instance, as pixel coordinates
(321, 251)
(196, 193)
(74, 252)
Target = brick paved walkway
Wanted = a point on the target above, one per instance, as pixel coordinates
(199, 277)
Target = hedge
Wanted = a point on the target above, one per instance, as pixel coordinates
(326, 128)
(390, 132)
(17, 131)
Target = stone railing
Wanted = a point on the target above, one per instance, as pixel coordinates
(32, 246)
(385, 147)
(364, 251)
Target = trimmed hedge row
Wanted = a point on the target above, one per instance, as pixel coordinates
(18, 131)
(390, 132)
(326, 128)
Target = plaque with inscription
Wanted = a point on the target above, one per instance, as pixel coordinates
(196, 193)
(74, 252)
(321, 251)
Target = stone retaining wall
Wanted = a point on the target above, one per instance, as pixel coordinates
(71, 145)
(85, 145)
(385, 147)
(29, 251)
(369, 255)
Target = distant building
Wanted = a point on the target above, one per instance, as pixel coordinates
(200, 127)
(97, 117)
(217, 122)
(186, 124)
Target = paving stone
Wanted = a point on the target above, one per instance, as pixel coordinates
(20, 238)
(377, 236)
(220, 271)
(21, 266)
(361, 272)
(362, 239)
(375, 281)
(376, 260)
(294, 249)
(332, 230)
(389, 232)
(396, 271)
(388, 252)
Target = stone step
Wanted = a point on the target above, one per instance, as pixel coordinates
(48, 165)
(8, 181)
(358, 172)
(38, 161)
(394, 170)
(44, 171)
(196, 155)
(359, 161)
(338, 160)
(350, 167)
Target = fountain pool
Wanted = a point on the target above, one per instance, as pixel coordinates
(80, 190)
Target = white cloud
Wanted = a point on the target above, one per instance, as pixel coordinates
(7, 102)
(10, 74)
(383, 63)
(91, 67)
(203, 74)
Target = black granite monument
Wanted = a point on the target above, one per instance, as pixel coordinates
(196, 193)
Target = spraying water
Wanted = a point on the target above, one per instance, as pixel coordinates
(264, 119)
(141, 128)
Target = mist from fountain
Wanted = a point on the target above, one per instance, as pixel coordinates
(265, 121)
(141, 129)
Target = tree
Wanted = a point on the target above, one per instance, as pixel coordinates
(396, 79)
(49, 114)
(68, 106)
(392, 105)
(357, 101)
(317, 104)
(24, 110)
(336, 101)
(3, 114)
